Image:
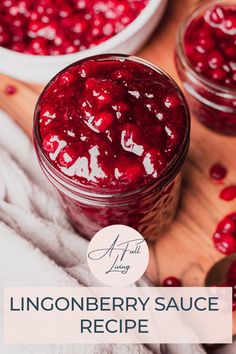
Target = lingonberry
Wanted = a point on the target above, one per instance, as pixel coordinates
(102, 121)
(228, 193)
(51, 142)
(68, 156)
(225, 243)
(218, 172)
(171, 282)
(224, 237)
(10, 90)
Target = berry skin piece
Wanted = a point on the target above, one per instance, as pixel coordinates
(68, 156)
(215, 60)
(51, 142)
(67, 78)
(172, 101)
(102, 121)
(127, 169)
(121, 107)
(47, 111)
(87, 69)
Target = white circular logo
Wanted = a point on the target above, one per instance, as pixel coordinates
(118, 255)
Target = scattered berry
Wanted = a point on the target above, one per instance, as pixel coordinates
(171, 282)
(218, 172)
(10, 90)
(228, 193)
(224, 237)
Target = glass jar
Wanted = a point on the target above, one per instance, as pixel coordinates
(149, 208)
(211, 103)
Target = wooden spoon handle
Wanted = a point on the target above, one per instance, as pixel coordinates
(20, 106)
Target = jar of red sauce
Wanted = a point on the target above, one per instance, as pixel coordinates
(206, 63)
(112, 133)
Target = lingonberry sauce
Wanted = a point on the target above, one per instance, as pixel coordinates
(206, 62)
(210, 45)
(224, 237)
(54, 27)
(115, 125)
(112, 124)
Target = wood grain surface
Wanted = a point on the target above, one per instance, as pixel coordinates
(186, 250)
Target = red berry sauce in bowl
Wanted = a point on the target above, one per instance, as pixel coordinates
(206, 62)
(112, 133)
(55, 27)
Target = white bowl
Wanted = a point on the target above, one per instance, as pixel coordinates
(40, 69)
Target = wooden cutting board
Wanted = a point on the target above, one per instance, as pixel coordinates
(186, 250)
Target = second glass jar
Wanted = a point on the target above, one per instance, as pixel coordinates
(205, 59)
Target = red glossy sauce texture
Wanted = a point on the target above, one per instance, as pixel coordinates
(206, 62)
(210, 45)
(54, 27)
(118, 129)
(224, 237)
(112, 124)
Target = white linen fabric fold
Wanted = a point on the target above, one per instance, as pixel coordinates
(39, 247)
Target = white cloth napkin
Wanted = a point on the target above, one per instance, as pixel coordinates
(38, 246)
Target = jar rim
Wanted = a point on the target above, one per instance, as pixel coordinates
(180, 50)
(75, 186)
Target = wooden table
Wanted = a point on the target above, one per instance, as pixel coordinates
(186, 250)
